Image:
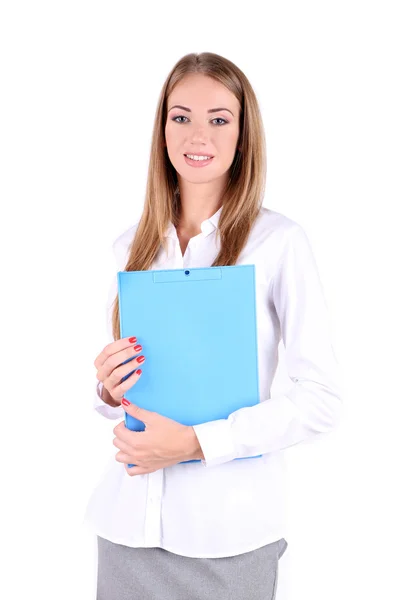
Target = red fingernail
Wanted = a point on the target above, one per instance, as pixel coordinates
(139, 372)
(125, 401)
(132, 340)
(137, 348)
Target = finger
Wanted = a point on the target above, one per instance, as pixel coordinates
(136, 470)
(119, 365)
(133, 438)
(123, 446)
(118, 391)
(123, 371)
(126, 458)
(112, 348)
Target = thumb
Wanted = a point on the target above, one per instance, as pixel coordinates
(136, 411)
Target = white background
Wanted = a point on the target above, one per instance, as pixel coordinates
(79, 86)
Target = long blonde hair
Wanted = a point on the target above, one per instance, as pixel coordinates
(243, 194)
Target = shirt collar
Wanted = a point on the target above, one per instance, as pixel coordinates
(206, 226)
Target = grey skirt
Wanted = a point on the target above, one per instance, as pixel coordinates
(126, 573)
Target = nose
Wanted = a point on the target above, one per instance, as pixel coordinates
(199, 135)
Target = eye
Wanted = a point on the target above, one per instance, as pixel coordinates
(180, 117)
(220, 119)
(216, 119)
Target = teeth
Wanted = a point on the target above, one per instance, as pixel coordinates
(195, 157)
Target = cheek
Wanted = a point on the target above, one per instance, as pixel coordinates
(172, 136)
(227, 146)
(173, 144)
(167, 134)
(227, 139)
(233, 137)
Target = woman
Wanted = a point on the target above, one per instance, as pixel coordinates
(169, 529)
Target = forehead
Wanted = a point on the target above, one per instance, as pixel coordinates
(199, 91)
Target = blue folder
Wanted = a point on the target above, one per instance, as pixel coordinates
(198, 329)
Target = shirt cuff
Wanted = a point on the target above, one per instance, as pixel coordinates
(104, 409)
(216, 441)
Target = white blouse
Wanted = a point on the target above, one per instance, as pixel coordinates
(222, 507)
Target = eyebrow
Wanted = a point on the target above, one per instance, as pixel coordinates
(210, 110)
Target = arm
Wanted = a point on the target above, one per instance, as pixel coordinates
(313, 405)
(103, 403)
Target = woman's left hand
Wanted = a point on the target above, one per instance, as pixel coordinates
(164, 442)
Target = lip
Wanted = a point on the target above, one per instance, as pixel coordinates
(199, 154)
(198, 163)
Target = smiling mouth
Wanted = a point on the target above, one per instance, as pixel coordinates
(201, 155)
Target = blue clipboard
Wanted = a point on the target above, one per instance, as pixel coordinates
(198, 329)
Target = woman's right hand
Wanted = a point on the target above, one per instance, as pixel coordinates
(111, 370)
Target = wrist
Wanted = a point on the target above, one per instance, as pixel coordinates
(108, 399)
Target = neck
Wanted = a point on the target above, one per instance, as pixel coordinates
(198, 202)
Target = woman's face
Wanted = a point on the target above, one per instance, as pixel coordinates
(192, 129)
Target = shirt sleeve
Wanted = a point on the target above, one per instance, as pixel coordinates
(110, 412)
(313, 405)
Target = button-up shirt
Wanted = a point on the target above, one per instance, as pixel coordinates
(219, 506)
